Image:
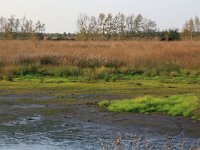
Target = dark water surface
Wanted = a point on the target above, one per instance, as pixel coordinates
(84, 127)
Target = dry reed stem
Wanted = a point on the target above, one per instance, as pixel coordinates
(123, 53)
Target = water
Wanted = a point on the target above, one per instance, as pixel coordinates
(82, 128)
(74, 135)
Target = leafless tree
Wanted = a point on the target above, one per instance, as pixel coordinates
(83, 24)
(102, 24)
(93, 27)
(197, 24)
(130, 24)
(138, 24)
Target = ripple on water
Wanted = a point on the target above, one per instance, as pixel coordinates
(74, 134)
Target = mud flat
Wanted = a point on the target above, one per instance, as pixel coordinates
(66, 116)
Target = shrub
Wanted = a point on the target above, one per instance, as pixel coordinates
(170, 35)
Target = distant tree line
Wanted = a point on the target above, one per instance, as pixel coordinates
(60, 36)
(109, 26)
(102, 27)
(20, 28)
(191, 28)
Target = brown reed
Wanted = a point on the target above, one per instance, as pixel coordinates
(137, 54)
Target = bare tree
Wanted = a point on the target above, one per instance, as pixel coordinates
(130, 24)
(93, 27)
(9, 28)
(149, 27)
(83, 24)
(39, 30)
(16, 27)
(138, 24)
(119, 25)
(102, 24)
(109, 26)
(27, 28)
(197, 24)
(40, 27)
(189, 28)
(3, 22)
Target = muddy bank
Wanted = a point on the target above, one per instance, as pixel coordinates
(71, 120)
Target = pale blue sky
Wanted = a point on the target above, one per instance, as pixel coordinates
(61, 15)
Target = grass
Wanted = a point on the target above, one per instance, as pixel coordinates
(59, 74)
(99, 60)
(131, 88)
(135, 77)
(139, 54)
(178, 105)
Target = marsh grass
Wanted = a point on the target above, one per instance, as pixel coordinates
(90, 61)
(178, 105)
(74, 73)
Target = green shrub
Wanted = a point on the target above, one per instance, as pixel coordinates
(170, 35)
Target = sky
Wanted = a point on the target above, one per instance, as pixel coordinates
(61, 15)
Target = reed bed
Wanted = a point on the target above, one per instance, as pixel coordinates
(152, 56)
(127, 53)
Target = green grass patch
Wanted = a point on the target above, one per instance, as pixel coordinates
(63, 73)
(178, 105)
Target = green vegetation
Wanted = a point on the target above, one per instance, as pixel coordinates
(170, 35)
(61, 95)
(178, 105)
(59, 74)
(95, 61)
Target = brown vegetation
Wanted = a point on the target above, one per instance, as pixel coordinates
(137, 54)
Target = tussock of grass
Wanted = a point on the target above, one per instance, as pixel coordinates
(178, 105)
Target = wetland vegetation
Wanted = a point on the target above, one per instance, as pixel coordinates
(59, 86)
(101, 64)
(179, 105)
(119, 82)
